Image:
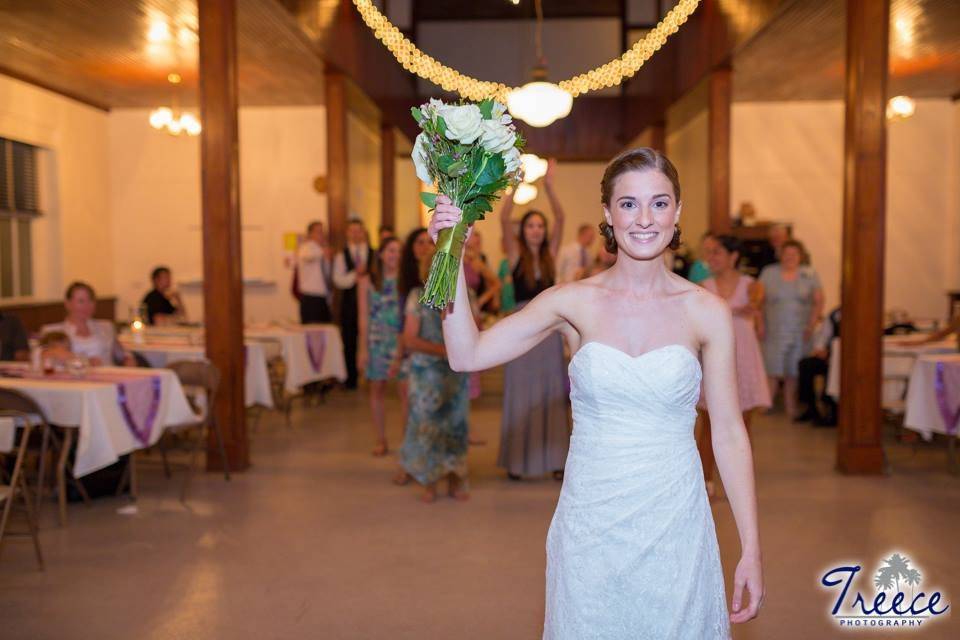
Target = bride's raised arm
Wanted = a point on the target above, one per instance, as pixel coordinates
(469, 349)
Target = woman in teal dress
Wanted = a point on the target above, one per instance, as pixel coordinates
(379, 315)
(435, 445)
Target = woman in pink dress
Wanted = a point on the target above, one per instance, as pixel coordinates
(741, 293)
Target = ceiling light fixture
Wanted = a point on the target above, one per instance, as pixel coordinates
(175, 123)
(610, 74)
(534, 167)
(524, 193)
(539, 103)
(900, 107)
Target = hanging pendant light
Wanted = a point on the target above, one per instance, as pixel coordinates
(539, 102)
(175, 123)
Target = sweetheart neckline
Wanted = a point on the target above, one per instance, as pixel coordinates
(676, 345)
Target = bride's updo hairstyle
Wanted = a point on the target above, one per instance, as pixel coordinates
(640, 159)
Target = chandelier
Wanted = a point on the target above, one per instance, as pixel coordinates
(172, 119)
(610, 74)
(539, 103)
(900, 108)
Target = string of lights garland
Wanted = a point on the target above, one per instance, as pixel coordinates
(610, 74)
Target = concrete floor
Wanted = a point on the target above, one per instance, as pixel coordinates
(314, 542)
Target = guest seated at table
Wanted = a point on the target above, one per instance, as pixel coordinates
(55, 346)
(163, 303)
(95, 340)
(13, 339)
(814, 365)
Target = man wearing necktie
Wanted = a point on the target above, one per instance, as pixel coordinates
(351, 264)
(574, 260)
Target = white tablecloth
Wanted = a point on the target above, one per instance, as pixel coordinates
(897, 361)
(160, 351)
(923, 411)
(312, 352)
(93, 407)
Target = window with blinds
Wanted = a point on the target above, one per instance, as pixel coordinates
(19, 206)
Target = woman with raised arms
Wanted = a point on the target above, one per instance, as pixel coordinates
(632, 550)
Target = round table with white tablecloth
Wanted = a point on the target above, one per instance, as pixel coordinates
(312, 352)
(933, 399)
(160, 351)
(898, 360)
(115, 410)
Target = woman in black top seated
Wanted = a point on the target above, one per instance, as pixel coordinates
(534, 429)
(163, 304)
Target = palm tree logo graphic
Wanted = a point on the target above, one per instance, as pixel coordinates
(894, 569)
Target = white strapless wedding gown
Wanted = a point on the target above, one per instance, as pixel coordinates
(632, 551)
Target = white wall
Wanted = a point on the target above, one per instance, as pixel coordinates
(72, 240)
(787, 158)
(155, 200)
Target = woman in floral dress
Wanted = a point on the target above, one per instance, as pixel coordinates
(435, 445)
(379, 353)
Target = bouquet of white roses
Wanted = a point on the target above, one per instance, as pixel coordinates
(472, 153)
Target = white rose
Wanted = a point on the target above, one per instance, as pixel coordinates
(463, 122)
(420, 162)
(497, 138)
(498, 110)
(512, 159)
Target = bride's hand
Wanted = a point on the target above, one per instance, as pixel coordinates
(749, 575)
(445, 216)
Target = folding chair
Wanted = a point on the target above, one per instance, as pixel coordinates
(15, 489)
(203, 377)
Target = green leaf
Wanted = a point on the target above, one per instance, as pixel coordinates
(429, 199)
(494, 187)
(492, 172)
(417, 115)
(441, 126)
(451, 167)
(457, 169)
(486, 109)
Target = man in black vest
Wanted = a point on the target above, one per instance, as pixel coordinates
(349, 265)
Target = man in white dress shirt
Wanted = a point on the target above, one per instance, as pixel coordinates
(350, 265)
(313, 274)
(574, 260)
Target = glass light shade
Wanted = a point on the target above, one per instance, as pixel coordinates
(539, 103)
(159, 118)
(175, 127)
(524, 193)
(190, 124)
(534, 167)
(900, 108)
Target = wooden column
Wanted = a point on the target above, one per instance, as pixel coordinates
(220, 182)
(657, 136)
(388, 176)
(859, 447)
(338, 186)
(718, 151)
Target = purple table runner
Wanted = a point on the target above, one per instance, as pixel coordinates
(316, 348)
(947, 389)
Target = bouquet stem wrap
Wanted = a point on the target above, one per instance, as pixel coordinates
(441, 286)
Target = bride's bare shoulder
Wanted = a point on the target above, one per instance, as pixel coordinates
(708, 310)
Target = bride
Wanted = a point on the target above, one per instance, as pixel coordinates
(632, 551)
